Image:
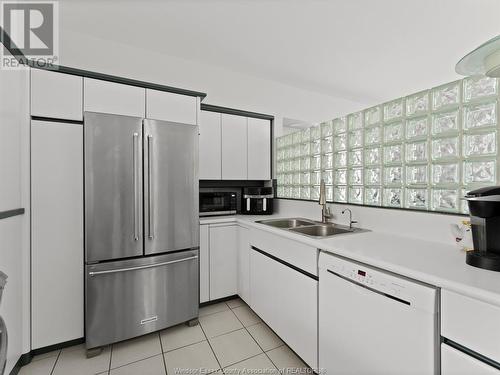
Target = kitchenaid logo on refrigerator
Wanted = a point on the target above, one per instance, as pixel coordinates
(30, 32)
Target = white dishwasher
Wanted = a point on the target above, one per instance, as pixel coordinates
(372, 322)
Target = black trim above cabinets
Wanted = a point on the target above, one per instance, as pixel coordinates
(51, 119)
(233, 111)
(16, 52)
(471, 353)
(116, 79)
(286, 263)
(230, 183)
(10, 213)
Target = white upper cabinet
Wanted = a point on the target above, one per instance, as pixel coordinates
(116, 98)
(161, 105)
(210, 146)
(234, 147)
(56, 95)
(259, 149)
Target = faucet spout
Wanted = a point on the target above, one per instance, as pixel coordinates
(351, 222)
(325, 211)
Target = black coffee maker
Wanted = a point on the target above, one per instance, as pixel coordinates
(484, 208)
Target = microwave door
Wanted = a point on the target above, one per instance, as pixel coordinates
(113, 186)
(170, 186)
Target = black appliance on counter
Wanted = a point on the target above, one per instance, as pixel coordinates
(220, 201)
(257, 201)
(484, 208)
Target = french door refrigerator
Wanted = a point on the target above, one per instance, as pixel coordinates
(141, 226)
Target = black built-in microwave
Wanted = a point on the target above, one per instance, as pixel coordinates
(219, 201)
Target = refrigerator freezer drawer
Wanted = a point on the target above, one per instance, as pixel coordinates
(130, 298)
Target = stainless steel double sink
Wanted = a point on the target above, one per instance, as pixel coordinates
(310, 228)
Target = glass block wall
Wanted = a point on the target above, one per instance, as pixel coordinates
(423, 151)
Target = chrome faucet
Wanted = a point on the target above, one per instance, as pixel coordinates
(351, 222)
(325, 211)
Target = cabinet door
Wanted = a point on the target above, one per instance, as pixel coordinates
(161, 105)
(287, 301)
(223, 260)
(57, 232)
(210, 146)
(454, 362)
(259, 149)
(234, 147)
(116, 98)
(244, 264)
(56, 95)
(204, 264)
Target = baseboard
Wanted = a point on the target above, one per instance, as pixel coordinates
(27, 357)
(22, 361)
(223, 299)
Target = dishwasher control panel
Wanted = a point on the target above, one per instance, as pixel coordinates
(380, 281)
(367, 276)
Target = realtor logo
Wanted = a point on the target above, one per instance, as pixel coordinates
(30, 30)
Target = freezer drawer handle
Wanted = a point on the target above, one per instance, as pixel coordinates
(135, 156)
(151, 228)
(92, 273)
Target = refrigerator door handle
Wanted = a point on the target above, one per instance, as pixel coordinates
(95, 273)
(151, 228)
(135, 166)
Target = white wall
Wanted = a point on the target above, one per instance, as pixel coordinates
(224, 87)
(14, 193)
(415, 224)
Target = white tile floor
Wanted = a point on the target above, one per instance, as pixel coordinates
(230, 339)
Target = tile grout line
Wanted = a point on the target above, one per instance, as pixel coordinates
(137, 360)
(253, 338)
(212, 349)
(110, 358)
(184, 346)
(55, 362)
(162, 353)
(261, 322)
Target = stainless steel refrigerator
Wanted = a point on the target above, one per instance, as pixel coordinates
(141, 226)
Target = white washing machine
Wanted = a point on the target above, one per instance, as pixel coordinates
(3, 329)
(375, 323)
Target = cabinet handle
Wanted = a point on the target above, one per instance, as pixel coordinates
(151, 228)
(95, 273)
(135, 166)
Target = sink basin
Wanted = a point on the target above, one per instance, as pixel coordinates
(309, 227)
(321, 230)
(286, 223)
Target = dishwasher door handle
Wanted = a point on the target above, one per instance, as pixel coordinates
(95, 273)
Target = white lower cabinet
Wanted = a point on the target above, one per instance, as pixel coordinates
(244, 264)
(223, 247)
(57, 232)
(455, 362)
(286, 300)
(224, 261)
(204, 263)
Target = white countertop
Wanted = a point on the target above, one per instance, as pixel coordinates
(430, 262)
